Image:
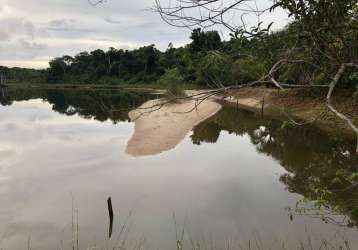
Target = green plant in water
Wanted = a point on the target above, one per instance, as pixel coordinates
(355, 94)
(287, 124)
(353, 177)
(174, 91)
(171, 76)
(179, 245)
(173, 83)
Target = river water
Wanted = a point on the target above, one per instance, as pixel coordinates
(238, 179)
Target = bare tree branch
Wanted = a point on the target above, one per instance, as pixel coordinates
(208, 13)
(332, 85)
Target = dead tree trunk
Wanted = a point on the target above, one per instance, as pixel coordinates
(332, 85)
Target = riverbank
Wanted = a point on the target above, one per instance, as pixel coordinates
(134, 87)
(158, 129)
(301, 105)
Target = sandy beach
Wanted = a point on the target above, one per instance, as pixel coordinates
(163, 129)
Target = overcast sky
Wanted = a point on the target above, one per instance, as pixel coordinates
(34, 31)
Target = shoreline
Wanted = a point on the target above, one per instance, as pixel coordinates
(160, 130)
(302, 105)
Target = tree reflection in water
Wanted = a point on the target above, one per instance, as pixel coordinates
(320, 167)
(100, 105)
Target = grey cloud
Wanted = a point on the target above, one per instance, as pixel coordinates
(54, 28)
(29, 28)
(4, 36)
(11, 127)
(18, 27)
(7, 153)
(62, 22)
(2, 9)
(29, 45)
(70, 28)
(110, 19)
(67, 27)
(22, 49)
(146, 25)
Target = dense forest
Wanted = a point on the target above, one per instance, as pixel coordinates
(22, 75)
(206, 60)
(321, 38)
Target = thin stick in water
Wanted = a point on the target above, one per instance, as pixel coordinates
(110, 212)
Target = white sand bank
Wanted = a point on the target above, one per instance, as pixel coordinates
(163, 129)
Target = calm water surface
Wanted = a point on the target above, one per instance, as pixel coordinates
(232, 179)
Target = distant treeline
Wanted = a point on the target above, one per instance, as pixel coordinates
(22, 75)
(206, 60)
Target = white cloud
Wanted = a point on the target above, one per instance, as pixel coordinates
(33, 31)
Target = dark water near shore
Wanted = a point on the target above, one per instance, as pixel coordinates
(234, 178)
